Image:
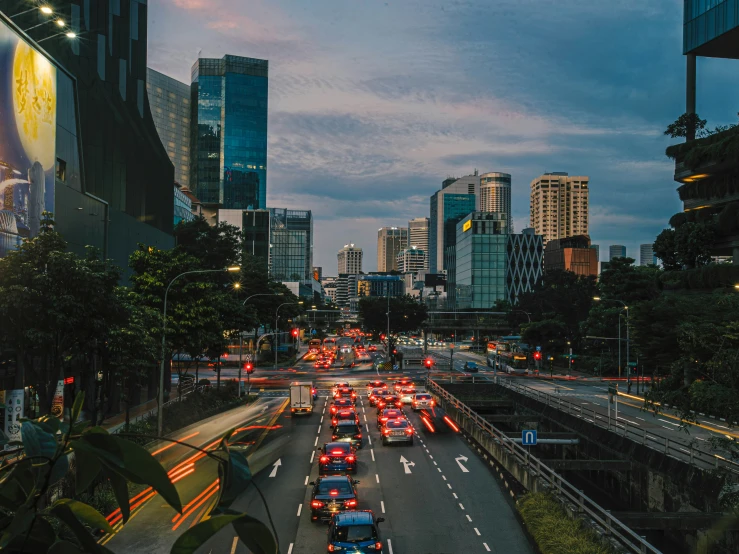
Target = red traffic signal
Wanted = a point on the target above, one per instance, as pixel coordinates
(395, 351)
(295, 332)
(248, 367)
(382, 337)
(429, 362)
(537, 356)
(572, 361)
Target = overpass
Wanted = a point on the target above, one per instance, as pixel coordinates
(495, 323)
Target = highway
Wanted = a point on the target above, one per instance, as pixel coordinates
(439, 498)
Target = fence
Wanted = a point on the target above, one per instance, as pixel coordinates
(612, 526)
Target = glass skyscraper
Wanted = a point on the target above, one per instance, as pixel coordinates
(456, 199)
(291, 245)
(229, 131)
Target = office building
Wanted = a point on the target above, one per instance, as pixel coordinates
(346, 288)
(559, 205)
(479, 268)
(228, 139)
(255, 230)
(350, 259)
(411, 260)
(329, 285)
(380, 285)
(456, 199)
(183, 200)
(291, 244)
(495, 195)
(390, 241)
(169, 100)
(597, 251)
(571, 254)
(616, 251)
(646, 254)
(317, 273)
(418, 235)
(525, 261)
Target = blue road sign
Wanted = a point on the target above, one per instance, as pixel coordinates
(538, 348)
(528, 438)
(313, 331)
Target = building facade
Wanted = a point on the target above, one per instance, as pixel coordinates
(559, 205)
(170, 107)
(597, 251)
(418, 235)
(346, 288)
(291, 244)
(495, 194)
(255, 229)
(228, 138)
(390, 241)
(525, 261)
(380, 285)
(411, 260)
(329, 285)
(456, 199)
(646, 254)
(616, 251)
(571, 254)
(182, 205)
(350, 259)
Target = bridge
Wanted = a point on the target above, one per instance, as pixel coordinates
(495, 323)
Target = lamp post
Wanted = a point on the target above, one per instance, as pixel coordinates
(628, 369)
(241, 335)
(68, 34)
(59, 23)
(277, 318)
(160, 411)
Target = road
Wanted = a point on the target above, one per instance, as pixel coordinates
(447, 500)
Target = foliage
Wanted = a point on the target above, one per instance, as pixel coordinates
(406, 314)
(28, 524)
(716, 145)
(688, 246)
(688, 124)
(704, 278)
(666, 250)
(554, 531)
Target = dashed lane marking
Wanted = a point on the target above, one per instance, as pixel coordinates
(300, 509)
(435, 463)
(461, 506)
(382, 506)
(454, 494)
(476, 531)
(372, 451)
(315, 443)
(486, 546)
(448, 485)
(290, 549)
(390, 547)
(312, 454)
(377, 478)
(306, 480)
(469, 518)
(234, 545)
(319, 429)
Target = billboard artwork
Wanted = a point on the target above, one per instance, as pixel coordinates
(27, 139)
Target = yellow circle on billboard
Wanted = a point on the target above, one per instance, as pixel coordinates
(34, 104)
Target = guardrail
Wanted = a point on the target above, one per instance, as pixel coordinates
(676, 449)
(612, 526)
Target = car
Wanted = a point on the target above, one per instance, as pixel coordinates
(387, 414)
(348, 432)
(331, 495)
(372, 348)
(471, 367)
(376, 385)
(347, 414)
(336, 457)
(388, 401)
(376, 394)
(338, 385)
(400, 383)
(346, 392)
(340, 403)
(422, 400)
(355, 531)
(406, 395)
(397, 430)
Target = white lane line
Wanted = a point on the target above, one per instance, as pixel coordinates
(675, 424)
(443, 477)
(312, 454)
(377, 478)
(365, 419)
(234, 545)
(430, 456)
(439, 469)
(460, 505)
(389, 547)
(382, 506)
(476, 531)
(469, 518)
(315, 443)
(300, 509)
(435, 463)
(369, 439)
(448, 485)
(486, 546)
(321, 419)
(319, 429)
(372, 451)
(306, 480)
(367, 426)
(427, 450)
(290, 549)
(668, 428)
(454, 494)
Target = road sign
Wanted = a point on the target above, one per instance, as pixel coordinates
(632, 364)
(313, 332)
(528, 438)
(538, 348)
(612, 389)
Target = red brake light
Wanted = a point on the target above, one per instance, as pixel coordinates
(358, 436)
(384, 419)
(350, 459)
(330, 547)
(350, 503)
(323, 459)
(378, 546)
(409, 430)
(334, 492)
(337, 452)
(386, 431)
(316, 504)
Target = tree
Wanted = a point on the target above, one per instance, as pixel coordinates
(687, 125)
(666, 250)
(216, 246)
(406, 314)
(693, 243)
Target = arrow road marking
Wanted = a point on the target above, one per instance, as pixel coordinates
(459, 461)
(406, 464)
(277, 464)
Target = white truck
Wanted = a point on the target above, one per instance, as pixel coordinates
(301, 397)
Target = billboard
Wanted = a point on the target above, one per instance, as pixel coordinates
(27, 139)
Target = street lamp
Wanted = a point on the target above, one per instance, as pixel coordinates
(160, 411)
(241, 338)
(68, 34)
(46, 10)
(628, 369)
(277, 318)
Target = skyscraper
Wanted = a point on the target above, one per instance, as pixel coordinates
(169, 100)
(390, 241)
(291, 245)
(228, 138)
(411, 260)
(646, 254)
(495, 194)
(418, 236)
(616, 251)
(447, 207)
(350, 259)
(559, 205)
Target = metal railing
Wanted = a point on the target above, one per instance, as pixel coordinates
(612, 526)
(187, 389)
(685, 452)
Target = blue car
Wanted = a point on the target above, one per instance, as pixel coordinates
(355, 532)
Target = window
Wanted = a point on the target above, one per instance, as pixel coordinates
(61, 170)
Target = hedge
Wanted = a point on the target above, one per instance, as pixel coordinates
(554, 531)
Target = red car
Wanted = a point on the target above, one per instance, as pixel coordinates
(372, 348)
(387, 414)
(340, 404)
(345, 415)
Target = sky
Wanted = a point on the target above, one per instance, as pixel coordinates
(372, 104)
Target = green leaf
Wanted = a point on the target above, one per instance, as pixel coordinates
(19, 526)
(59, 469)
(77, 407)
(192, 539)
(235, 477)
(255, 535)
(120, 489)
(63, 547)
(36, 441)
(64, 513)
(85, 513)
(49, 423)
(38, 539)
(88, 468)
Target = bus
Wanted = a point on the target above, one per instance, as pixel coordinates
(514, 362)
(329, 344)
(314, 346)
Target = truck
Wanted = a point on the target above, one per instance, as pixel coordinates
(301, 397)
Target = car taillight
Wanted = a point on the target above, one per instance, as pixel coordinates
(432, 402)
(350, 459)
(358, 436)
(316, 504)
(383, 419)
(323, 459)
(409, 430)
(378, 546)
(386, 431)
(334, 492)
(350, 503)
(354, 395)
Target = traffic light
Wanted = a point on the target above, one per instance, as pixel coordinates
(382, 336)
(537, 356)
(295, 333)
(572, 362)
(395, 351)
(249, 368)
(429, 362)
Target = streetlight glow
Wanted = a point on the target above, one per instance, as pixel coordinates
(70, 34)
(736, 286)
(60, 22)
(233, 268)
(47, 10)
(596, 298)
(237, 285)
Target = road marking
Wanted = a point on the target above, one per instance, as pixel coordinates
(300, 509)
(321, 419)
(430, 456)
(460, 505)
(306, 480)
(367, 426)
(435, 463)
(448, 485)
(675, 424)
(319, 429)
(277, 464)
(486, 546)
(454, 494)
(382, 506)
(290, 548)
(439, 469)
(369, 439)
(235, 543)
(469, 518)
(389, 547)
(406, 464)
(476, 531)
(372, 451)
(365, 419)
(459, 461)
(316, 443)
(427, 450)
(377, 478)
(312, 454)
(443, 477)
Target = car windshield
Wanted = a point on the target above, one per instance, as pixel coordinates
(355, 533)
(352, 428)
(423, 397)
(397, 424)
(340, 488)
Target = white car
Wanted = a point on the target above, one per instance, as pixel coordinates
(406, 395)
(422, 400)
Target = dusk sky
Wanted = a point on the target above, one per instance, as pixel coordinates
(373, 103)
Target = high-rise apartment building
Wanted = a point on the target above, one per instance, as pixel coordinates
(646, 254)
(291, 245)
(228, 140)
(616, 251)
(418, 235)
(495, 194)
(411, 260)
(456, 199)
(390, 241)
(169, 100)
(559, 205)
(380, 285)
(350, 259)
